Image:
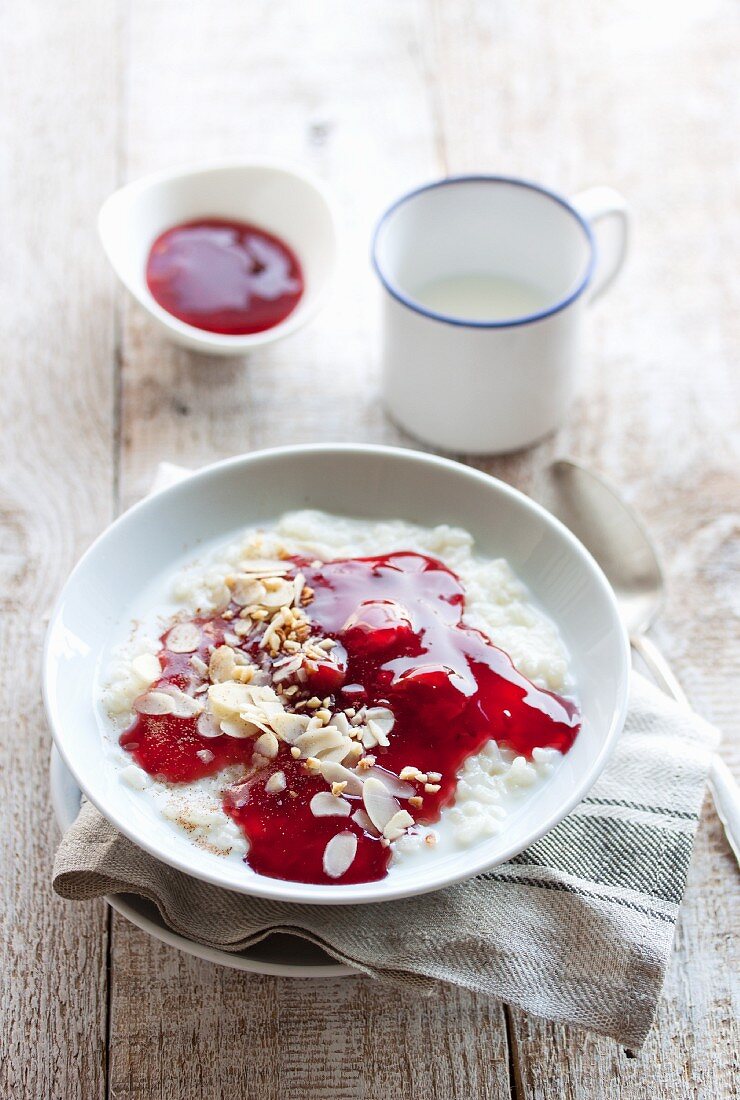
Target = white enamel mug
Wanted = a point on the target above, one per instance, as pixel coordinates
(488, 386)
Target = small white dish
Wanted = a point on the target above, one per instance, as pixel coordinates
(279, 955)
(288, 203)
(148, 544)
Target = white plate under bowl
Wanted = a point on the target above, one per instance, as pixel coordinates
(149, 543)
(280, 955)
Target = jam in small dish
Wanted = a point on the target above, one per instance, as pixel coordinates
(226, 277)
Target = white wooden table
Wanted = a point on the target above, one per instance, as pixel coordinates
(374, 98)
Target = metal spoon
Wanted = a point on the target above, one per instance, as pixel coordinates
(614, 535)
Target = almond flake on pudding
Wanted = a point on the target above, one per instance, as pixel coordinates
(183, 638)
(276, 783)
(380, 805)
(134, 777)
(323, 741)
(325, 804)
(289, 726)
(246, 590)
(397, 825)
(263, 568)
(339, 854)
(267, 745)
(146, 667)
(392, 783)
(335, 774)
(154, 702)
(199, 667)
(207, 726)
(221, 665)
(360, 818)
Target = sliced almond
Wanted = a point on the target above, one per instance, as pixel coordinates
(316, 742)
(360, 818)
(339, 854)
(390, 781)
(339, 754)
(147, 668)
(341, 721)
(263, 566)
(397, 825)
(235, 727)
(276, 783)
(337, 773)
(325, 804)
(246, 590)
(289, 726)
(226, 700)
(281, 595)
(298, 584)
(379, 803)
(221, 665)
(199, 667)
(183, 638)
(154, 702)
(382, 717)
(207, 726)
(267, 745)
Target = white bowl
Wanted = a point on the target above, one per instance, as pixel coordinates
(285, 202)
(146, 546)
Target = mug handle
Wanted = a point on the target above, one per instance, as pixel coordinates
(598, 204)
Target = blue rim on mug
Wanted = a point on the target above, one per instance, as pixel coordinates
(433, 315)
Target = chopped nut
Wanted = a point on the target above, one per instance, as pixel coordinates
(409, 772)
(338, 788)
(416, 801)
(432, 788)
(434, 777)
(430, 839)
(295, 752)
(366, 762)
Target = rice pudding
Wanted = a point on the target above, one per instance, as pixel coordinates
(335, 697)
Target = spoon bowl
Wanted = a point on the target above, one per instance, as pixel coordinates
(606, 526)
(621, 545)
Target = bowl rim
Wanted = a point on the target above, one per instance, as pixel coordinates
(216, 341)
(384, 889)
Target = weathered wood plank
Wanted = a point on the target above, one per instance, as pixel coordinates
(348, 96)
(644, 101)
(59, 89)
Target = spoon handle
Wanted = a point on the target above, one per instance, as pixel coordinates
(725, 791)
(660, 668)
